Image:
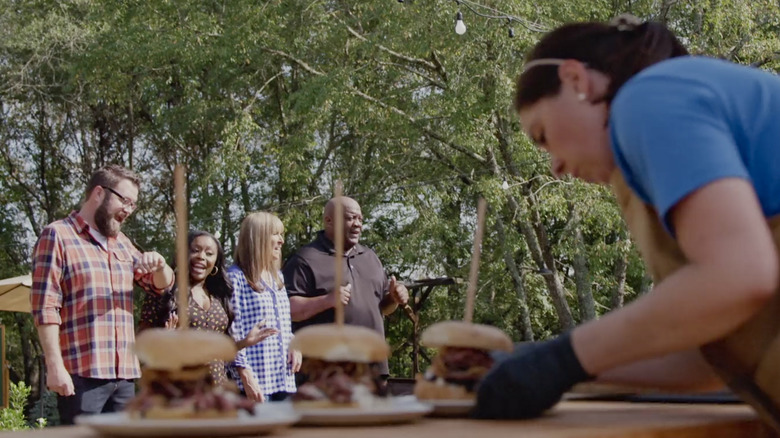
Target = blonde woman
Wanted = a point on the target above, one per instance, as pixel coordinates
(267, 370)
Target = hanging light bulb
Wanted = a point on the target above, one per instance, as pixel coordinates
(505, 185)
(460, 26)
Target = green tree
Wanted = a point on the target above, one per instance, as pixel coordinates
(268, 104)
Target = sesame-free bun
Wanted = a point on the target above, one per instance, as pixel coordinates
(167, 349)
(183, 412)
(191, 373)
(465, 334)
(323, 404)
(441, 390)
(334, 343)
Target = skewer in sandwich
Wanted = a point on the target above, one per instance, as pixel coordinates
(462, 360)
(176, 382)
(340, 365)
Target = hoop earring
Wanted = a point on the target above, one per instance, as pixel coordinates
(214, 271)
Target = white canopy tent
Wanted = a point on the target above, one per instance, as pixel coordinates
(15, 294)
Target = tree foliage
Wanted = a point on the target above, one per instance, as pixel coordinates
(268, 103)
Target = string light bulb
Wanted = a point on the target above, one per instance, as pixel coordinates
(460, 26)
(490, 13)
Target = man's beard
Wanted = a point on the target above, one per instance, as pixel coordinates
(105, 225)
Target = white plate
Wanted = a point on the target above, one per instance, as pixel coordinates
(267, 418)
(451, 408)
(389, 411)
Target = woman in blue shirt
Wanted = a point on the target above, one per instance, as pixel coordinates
(697, 142)
(266, 370)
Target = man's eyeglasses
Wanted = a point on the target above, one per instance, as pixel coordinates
(126, 202)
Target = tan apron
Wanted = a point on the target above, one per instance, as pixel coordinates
(748, 359)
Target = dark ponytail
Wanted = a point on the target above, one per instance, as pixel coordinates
(618, 50)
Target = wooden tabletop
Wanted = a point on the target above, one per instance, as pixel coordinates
(571, 419)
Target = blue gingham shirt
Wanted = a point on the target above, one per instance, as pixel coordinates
(267, 360)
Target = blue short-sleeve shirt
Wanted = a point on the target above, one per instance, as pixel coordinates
(689, 121)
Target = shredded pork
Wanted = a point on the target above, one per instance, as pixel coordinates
(336, 381)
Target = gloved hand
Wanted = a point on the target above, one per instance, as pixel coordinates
(530, 381)
(519, 347)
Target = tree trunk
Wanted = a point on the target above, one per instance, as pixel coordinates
(131, 135)
(245, 195)
(226, 225)
(534, 233)
(28, 358)
(546, 260)
(618, 293)
(517, 279)
(646, 285)
(582, 279)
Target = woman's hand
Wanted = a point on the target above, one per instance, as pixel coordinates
(258, 334)
(251, 387)
(529, 381)
(173, 321)
(294, 360)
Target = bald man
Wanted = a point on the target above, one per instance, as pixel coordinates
(366, 292)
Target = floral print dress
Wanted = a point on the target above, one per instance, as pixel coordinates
(156, 310)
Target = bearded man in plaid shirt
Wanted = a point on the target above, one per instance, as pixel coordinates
(84, 269)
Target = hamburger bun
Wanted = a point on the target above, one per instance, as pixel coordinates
(166, 349)
(323, 404)
(466, 335)
(150, 375)
(440, 390)
(182, 412)
(334, 343)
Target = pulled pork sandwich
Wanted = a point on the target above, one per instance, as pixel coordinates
(176, 382)
(340, 366)
(463, 359)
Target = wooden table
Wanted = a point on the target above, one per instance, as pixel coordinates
(571, 419)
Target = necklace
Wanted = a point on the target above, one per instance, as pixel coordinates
(201, 297)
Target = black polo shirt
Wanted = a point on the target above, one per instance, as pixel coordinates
(310, 273)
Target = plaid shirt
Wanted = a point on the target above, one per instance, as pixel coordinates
(268, 359)
(88, 292)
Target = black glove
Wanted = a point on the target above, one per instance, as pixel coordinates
(529, 381)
